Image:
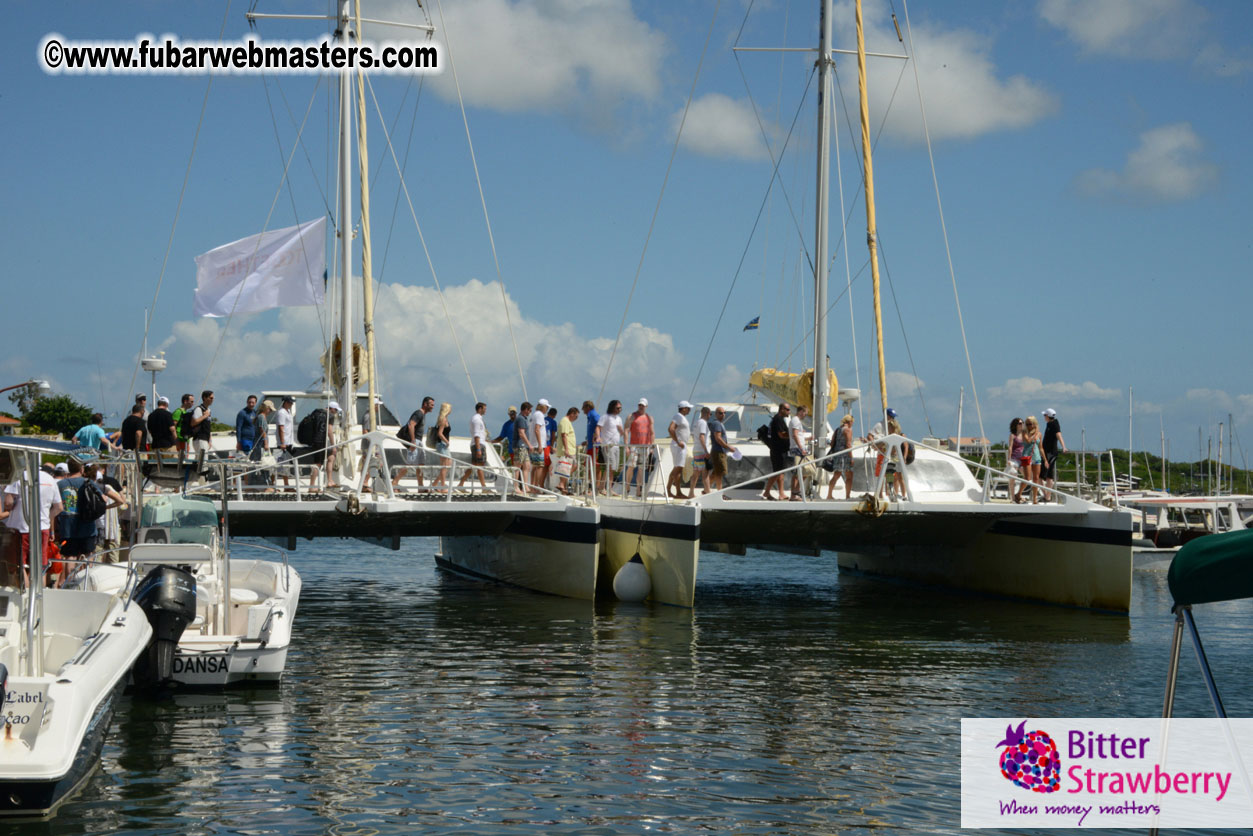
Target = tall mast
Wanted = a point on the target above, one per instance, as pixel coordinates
(367, 286)
(344, 385)
(872, 240)
(820, 393)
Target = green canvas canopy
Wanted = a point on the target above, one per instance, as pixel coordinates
(1218, 567)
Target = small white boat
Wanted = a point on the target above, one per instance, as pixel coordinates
(65, 655)
(243, 607)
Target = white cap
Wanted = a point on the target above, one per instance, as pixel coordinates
(61, 468)
(643, 402)
(333, 405)
(1050, 413)
(163, 400)
(684, 405)
(542, 402)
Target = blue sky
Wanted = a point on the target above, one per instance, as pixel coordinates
(1091, 157)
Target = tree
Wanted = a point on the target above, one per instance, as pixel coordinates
(26, 397)
(61, 414)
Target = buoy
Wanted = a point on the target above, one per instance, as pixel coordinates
(632, 583)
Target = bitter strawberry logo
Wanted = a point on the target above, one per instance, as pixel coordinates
(1030, 759)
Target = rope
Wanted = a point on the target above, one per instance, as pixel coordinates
(657, 209)
(743, 255)
(948, 253)
(422, 238)
(479, 182)
(848, 274)
(169, 244)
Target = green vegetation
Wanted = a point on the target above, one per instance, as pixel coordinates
(1181, 477)
(59, 414)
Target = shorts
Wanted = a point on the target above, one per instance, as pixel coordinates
(78, 546)
(678, 455)
(700, 461)
(633, 457)
(613, 456)
(548, 456)
(537, 458)
(441, 448)
(415, 456)
(717, 463)
(19, 547)
(520, 457)
(1049, 471)
(779, 460)
(478, 453)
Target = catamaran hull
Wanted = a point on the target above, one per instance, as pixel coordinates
(667, 538)
(1077, 564)
(544, 553)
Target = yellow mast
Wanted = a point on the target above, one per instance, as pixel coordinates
(871, 234)
(367, 293)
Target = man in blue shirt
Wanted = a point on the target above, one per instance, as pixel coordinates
(94, 436)
(506, 433)
(593, 437)
(78, 536)
(245, 430)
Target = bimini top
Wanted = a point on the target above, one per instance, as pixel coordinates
(31, 444)
(1217, 567)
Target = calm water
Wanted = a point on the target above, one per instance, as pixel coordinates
(791, 700)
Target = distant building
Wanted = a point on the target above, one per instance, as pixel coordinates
(970, 445)
(8, 426)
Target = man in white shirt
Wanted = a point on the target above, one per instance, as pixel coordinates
(700, 451)
(680, 441)
(798, 446)
(478, 445)
(15, 520)
(285, 432)
(611, 441)
(537, 434)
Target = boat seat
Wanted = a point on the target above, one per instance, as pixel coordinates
(243, 595)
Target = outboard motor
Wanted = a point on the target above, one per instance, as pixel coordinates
(167, 595)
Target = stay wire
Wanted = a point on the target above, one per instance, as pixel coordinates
(774, 173)
(479, 182)
(452, 328)
(657, 209)
(169, 244)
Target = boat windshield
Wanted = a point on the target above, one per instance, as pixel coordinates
(188, 520)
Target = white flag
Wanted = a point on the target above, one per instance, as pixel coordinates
(277, 269)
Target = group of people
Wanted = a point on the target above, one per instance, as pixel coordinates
(1031, 456)
(65, 529)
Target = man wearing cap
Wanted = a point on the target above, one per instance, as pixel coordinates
(412, 431)
(593, 439)
(15, 519)
(537, 437)
(141, 401)
(640, 436)
(506, 434)
(680, 432)
(1053, 446)
(325, 454)
(161, 429)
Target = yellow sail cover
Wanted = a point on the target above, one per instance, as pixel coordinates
(794, 388)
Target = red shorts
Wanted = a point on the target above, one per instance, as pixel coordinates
(19, 547)
(548, 456)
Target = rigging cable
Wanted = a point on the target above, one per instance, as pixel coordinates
(657, 209)
(848, 275)
(726, 300)
(491, 239)
(169, 245)
(422, 238)
(974, 390)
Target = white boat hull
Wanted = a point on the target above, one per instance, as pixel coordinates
(667, 538)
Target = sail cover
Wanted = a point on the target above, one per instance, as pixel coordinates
(276, 269)
(793, 388)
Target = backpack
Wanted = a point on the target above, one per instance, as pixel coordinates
(763, 434)
(909, 453)
(184, 424)
(312, 429)
(91, 503)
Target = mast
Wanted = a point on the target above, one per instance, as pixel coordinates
(344, 385)
(872, 240)
(825, 64)
(367, 284)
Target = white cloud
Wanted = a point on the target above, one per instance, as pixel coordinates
(902, 385)
(721, 126)
(1026, 390)
(417, 353)
(1127, 28)
(1216, 59)
(1167, 165)
(578, 56)
(965, 96)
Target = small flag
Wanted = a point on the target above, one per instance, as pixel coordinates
(752, 324)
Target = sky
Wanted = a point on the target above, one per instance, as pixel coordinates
(1091, 159)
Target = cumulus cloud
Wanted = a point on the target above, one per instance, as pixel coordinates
(903, 385)
(1027, 390)
(578, 56)
(417, 353)
(1167, 165)
(964, 92)
(1127, 28)
(721, 126)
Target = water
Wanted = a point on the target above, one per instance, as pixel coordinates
(792, 700)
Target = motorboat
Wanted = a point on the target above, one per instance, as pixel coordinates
(65, 655)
